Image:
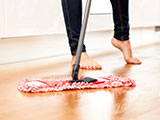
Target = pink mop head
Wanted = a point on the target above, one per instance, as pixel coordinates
(39, 85)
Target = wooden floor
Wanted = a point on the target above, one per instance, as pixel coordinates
(139, 103)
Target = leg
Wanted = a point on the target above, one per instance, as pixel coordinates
(121, 30)
(72, 10)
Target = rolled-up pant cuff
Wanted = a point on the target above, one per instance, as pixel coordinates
(121, 38)
(73, 52)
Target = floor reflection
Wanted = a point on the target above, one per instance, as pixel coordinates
(120, 93)
(123, 71)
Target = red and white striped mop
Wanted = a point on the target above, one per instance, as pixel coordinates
(39, 85)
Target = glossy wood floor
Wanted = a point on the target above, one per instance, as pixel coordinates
(139, 103)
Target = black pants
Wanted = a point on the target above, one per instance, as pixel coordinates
(72, 10)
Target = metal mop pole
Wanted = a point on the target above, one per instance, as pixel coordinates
(81, 41)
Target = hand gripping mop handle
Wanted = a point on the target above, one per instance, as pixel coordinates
(81, 41)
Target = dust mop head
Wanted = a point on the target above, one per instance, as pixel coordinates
(38, 85)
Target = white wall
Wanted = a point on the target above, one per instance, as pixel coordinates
(2, 17)
(39, 17)
(102, 7)
(145, 12)
(33, 17)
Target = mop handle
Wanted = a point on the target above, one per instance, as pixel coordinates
(81, 40)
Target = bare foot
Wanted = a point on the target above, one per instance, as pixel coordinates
(87, 63)
(125, 48)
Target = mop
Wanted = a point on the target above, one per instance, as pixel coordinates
(39, 85)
